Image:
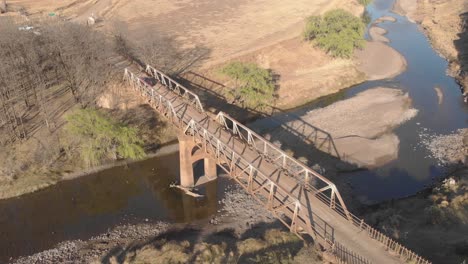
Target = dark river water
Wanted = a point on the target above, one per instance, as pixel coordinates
(90, 205)
(87, 206)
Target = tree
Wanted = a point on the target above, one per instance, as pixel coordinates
(81, 57)
(41, 62)
(100, 137)
(255, 86)
(365, 2)
(338, 32)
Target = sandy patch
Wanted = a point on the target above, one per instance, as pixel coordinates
(405, 8)
(118, 96)
(385, 18)
(377, 34)
(380, 61)
(361, 127)
(440, 95)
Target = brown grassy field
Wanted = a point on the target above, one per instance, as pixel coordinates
(227, 28)
(265, 32)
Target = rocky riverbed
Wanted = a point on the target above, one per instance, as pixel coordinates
(240, 217)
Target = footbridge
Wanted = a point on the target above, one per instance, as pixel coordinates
(303, 200)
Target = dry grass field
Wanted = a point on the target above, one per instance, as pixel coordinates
(227, 28)
(260, 31)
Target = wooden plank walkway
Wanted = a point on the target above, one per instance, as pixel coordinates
(292, 201)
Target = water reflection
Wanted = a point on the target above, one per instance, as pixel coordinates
(87, 206)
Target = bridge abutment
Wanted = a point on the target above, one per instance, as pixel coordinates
(189, 154)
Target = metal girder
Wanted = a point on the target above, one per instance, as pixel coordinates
(291, 211)
(293, 166)
(175, 87)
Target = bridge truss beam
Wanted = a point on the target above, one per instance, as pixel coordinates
(298, 216)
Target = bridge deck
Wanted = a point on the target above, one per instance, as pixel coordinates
(339, 228)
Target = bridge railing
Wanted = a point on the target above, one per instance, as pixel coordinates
(288, 209)
(278, 200)
(177, 88)
(156, 99)
(344, 255)
(292, 212)
(313, 182)
(323, 187)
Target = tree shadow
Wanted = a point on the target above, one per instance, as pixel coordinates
(226, 239)
(162, 51)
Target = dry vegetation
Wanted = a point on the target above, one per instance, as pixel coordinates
(434, 223)
(217, 33)
(276, 246)
(47, 70)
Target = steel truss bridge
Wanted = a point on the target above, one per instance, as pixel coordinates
(303, 200)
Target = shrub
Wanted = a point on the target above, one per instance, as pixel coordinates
(255, 86)
(338, 32)
(100, 137)
(365, 2)
(366, 17)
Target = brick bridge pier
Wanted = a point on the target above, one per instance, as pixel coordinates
(190, 153)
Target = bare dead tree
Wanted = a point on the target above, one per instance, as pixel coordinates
(81, 57)
(37, 65)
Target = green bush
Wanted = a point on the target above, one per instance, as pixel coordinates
(338, 32)
(255, 86)
(365, 2)
(101, 137)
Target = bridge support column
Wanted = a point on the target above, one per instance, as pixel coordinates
(210, 168)
(189, 154)
(186, 145)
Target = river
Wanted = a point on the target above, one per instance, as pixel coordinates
(413, 169)
(88, 206)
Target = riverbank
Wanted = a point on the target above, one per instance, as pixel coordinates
(433, 222)
(49, 157)
(445, 24)
(241, 230)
